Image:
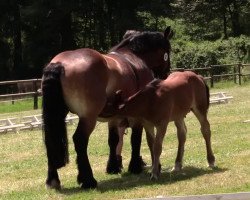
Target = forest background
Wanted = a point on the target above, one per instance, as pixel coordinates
(206, 32)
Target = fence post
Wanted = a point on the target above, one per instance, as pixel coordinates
(235, 75)
(35, 95)
(211, 75)
(239, 70)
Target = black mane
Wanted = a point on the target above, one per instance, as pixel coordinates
(143, 42)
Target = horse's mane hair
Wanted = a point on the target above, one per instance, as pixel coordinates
(143, 42)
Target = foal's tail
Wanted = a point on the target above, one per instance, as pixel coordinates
(207, 93)
(54, 113)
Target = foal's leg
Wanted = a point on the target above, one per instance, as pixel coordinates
(181, 135)
(206, 132)
(136, 163)
(121, 132)
(160, 133)
(81, 138)
(113, 139)
(150, 135)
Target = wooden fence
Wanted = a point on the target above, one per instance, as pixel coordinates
(35, 83)
(23, 89)
(237, 73)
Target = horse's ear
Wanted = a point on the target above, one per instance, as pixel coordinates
(168, 33)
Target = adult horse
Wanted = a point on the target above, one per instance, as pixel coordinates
(83, 81)
(170, 100)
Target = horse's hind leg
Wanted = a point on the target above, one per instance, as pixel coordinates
(81, 138)
(206, 132)
(181, 135)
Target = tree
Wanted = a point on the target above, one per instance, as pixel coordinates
(207, 16)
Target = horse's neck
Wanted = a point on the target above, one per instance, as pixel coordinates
(143, 73)
(126, 57)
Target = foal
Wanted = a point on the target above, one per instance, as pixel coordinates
(161, 102)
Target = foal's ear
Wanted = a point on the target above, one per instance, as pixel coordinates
(168, 33)
(130, 33)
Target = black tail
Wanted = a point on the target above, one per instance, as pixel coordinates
(54, 113)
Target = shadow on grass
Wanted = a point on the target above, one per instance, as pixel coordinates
(128, 180)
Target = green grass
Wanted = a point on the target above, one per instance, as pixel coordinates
(18, 106)
(23, 159)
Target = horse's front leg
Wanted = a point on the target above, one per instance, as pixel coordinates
(81, 138)
(160, 133)
(113, 165)
(136, 164)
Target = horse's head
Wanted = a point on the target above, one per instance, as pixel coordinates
(154, 49)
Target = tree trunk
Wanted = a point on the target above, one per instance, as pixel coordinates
(67, 42)
(111, 22)
(234, 13)
(17, 51)
(225, 26)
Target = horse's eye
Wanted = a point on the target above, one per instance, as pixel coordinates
(165, 56)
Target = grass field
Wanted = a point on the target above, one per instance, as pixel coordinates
(23, 159)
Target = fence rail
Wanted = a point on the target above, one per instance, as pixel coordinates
(35, 83)
(237, 72)
(30, 88)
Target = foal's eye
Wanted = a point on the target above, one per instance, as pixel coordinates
(165, 56)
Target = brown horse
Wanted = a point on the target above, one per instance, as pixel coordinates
(83, 82)
(170, 100)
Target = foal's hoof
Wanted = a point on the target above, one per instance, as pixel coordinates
(136, 165)
(53, 184)
(211, 165)
(114, 165)
(89, 184)
(154, 177)
(155, 174)
(177, 167)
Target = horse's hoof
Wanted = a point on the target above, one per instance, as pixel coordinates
(136, 166)
(53, 184)
(114, 166)
(89, 184)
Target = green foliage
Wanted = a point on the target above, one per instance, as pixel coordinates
(32, 32)
(191, 54)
